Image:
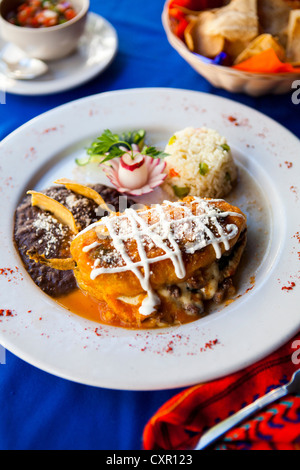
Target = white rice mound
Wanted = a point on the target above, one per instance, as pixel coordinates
(203, 161)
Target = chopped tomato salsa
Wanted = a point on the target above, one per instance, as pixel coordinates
(41, 13)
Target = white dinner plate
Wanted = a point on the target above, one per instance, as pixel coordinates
(96, 50)
(265, 311)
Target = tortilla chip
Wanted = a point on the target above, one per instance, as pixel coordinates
(293, 44)
(235, 48)
(64, 264)
(260, 44)
(274, 17)
(60, 212)
(237, 21)
(85, 191)
(198, 40)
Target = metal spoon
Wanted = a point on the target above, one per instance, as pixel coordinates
(15, 64)
(220, 429)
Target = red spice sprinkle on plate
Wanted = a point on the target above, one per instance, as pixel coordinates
(209, 345)
(297, 235)
(232, 119)
(50, 129)
(294, 190)
(11, 274)
(6, 313)
(289, 287)
(169, 347)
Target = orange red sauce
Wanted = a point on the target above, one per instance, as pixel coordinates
(86, 307)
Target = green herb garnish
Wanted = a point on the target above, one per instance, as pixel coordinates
(109, 146)
(203, 168)
(181, 192)
(227, 176)
(225, 147)
(153, 152)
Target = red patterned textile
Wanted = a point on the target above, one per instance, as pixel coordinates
(179, 423)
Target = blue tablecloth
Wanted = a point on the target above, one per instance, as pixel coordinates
(41, 411)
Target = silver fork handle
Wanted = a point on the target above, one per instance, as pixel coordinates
(220, 429)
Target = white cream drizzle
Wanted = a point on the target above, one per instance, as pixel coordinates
(88, 248)
(163, 234)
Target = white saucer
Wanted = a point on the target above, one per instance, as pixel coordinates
(96, 51)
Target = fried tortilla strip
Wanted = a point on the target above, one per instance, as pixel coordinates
(260, 44)
(235, 24)
(274, 17)
(237, 21)
(199, 40)
(293, 44)
(85, 191)
(60, 212)
(63, 264)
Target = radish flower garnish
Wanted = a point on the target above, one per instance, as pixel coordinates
(132, 167)
(141, 180)
(133, 171)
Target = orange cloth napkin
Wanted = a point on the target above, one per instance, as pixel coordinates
(179, 423)
(266, 62)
